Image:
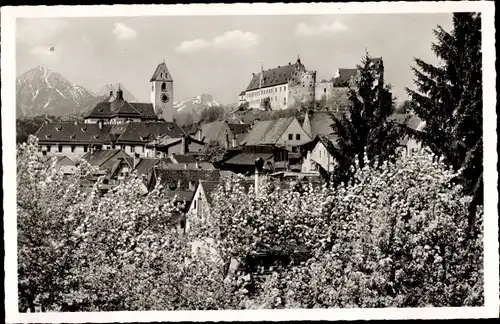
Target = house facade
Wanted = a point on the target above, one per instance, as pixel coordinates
(318, 157)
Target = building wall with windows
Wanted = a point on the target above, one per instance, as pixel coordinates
(294, 135)
(278, 97)
(319, 155)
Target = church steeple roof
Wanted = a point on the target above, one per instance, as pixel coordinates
(161, 73)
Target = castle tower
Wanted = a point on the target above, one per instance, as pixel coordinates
(162, 92)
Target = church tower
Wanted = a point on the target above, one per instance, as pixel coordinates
(162, 92)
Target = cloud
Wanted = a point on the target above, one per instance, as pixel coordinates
(123, 32)
(36, 31)
(193, 46)
(304, 29)
(231, 40)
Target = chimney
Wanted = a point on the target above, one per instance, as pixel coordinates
(183, 145)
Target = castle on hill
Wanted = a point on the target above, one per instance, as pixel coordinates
(285, 86)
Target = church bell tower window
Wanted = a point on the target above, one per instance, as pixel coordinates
(163, 86)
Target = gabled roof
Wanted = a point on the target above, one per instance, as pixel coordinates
(238, 129)
(122, 108)
(156, 75)
(145, 166)
(188, 166)
(248, 159)
(320, 123)
(274, 77)
(69, 132)
(267, 132)
(104, 159)
(214, 131)
(144, 132)
(184, 177)
(183, 158)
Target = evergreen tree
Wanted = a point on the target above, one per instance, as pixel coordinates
(364, 129)
(449, 99)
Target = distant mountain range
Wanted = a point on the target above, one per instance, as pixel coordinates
(41, 91)
(196, 105)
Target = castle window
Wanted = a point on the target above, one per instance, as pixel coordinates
(324, 90)
(163, 86)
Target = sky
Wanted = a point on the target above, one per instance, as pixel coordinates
(218, 54)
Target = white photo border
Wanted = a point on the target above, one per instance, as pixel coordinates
(8, 76)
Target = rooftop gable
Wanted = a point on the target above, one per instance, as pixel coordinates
(161, 73)
(267, 132)
(274, 77)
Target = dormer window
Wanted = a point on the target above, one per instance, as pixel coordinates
(99, 109)
(84, 129)
(58, 128)
(48, 136)
(72, 136)
(96, 136)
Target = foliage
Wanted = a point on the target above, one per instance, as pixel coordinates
(211, 114)
(212, 152)
(365, 128)
(396, 237)
(449, 100)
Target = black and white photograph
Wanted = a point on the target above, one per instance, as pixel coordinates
(324, 161)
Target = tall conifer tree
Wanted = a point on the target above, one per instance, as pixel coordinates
(365, 128)
(449, 99)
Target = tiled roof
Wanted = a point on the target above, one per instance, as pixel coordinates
(144, 132)
(320, 123)
(248, 158)
(188, 166)
(238, 129)
(184, 177)
(214, 131)
(267, 132)
(122, 108)
(145, 166)
(104, 159)
(242, 93)
(69, 132)
(184, 158)
(156, 74)
(274, 77)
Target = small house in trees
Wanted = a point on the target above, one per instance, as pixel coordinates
(409, 144)
(318, 154)
(228, 135)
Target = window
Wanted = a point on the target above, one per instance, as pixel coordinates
(72, 148)
(152, 87)
(132, 149)
(194, 204)
(297, 137)
(85, 148)
(59, 148)
(324, 90)
(113, 147)
(290, 137)
(48, 148)
(123, 147)
(284, 101)
(163, 86)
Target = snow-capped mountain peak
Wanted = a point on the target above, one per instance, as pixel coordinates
(41, 91)
(196, 104)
